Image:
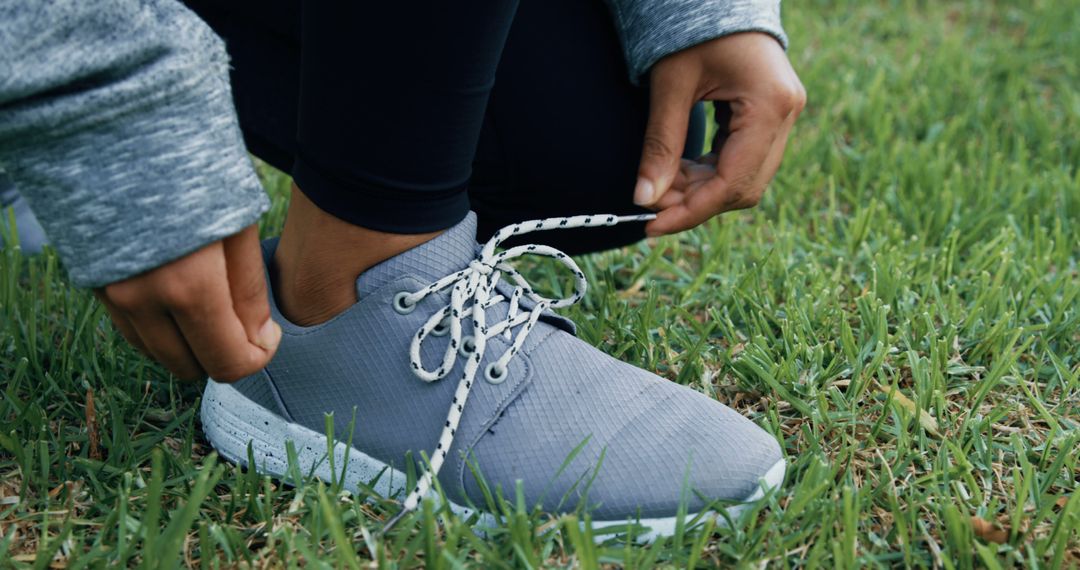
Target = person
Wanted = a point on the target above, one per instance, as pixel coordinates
(410, 131)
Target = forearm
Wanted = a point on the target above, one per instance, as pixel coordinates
(116, 123)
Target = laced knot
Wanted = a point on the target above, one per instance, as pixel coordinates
(480, 267)
(473, 291)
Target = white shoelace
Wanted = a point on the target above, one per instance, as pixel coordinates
(472, 293)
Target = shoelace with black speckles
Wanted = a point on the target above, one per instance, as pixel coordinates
(472, 292)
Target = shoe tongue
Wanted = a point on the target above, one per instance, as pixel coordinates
(430, 261)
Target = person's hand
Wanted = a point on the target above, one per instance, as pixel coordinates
(203, 314)
(751, 72)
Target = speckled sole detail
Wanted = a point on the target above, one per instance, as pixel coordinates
(231, 421)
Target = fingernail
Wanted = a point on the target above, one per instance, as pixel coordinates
(269, 335)
(643, 194)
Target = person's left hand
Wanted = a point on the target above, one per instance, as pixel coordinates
(750, 71)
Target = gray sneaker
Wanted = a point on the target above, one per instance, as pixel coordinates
(515, 400)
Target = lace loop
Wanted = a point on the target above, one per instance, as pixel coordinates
(472, 293)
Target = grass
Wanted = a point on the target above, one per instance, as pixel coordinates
(902, 311)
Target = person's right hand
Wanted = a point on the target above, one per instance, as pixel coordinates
(203, 314)
(752, 73)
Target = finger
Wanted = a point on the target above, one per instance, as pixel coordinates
(670, 101)
(122, 324)
(247, 286)
(690, 175)
(165, 344)
(742, 158)
(736, 184)
(700, 170)
(214, 331)
(790, 102)
(776, 154)
(673, 219)
(670, 198)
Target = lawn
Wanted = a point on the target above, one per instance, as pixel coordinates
(902, 312)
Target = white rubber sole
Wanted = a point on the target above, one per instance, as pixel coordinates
(231, 421)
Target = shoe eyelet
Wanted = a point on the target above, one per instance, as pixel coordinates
(442, 328)
(402, 304)
(495, 374)
(468, 345)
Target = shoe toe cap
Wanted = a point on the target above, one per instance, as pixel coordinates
(644, 446)
(685, 448)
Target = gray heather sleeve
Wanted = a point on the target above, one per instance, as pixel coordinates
(652, 29)
(117, 125)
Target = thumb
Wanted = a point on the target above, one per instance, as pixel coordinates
(665, 137)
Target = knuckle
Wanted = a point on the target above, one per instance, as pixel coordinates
(785, 101)
(740, 195)
(176, 295)
(800, 98)
(745, 199)
(734, 200)
(788, 99)
(252, 294)
(751, 200)
(654, 147)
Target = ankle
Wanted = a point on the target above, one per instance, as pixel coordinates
(319, 258)
(306, 294)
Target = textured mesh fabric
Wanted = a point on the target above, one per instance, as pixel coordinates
(654, 434)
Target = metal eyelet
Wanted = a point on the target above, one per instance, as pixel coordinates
(402, 304)
(495, 374)
(468, 345)
(442, 328)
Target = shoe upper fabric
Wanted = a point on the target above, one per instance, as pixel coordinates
(646, 443)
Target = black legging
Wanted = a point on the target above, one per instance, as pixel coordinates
(401, 118)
